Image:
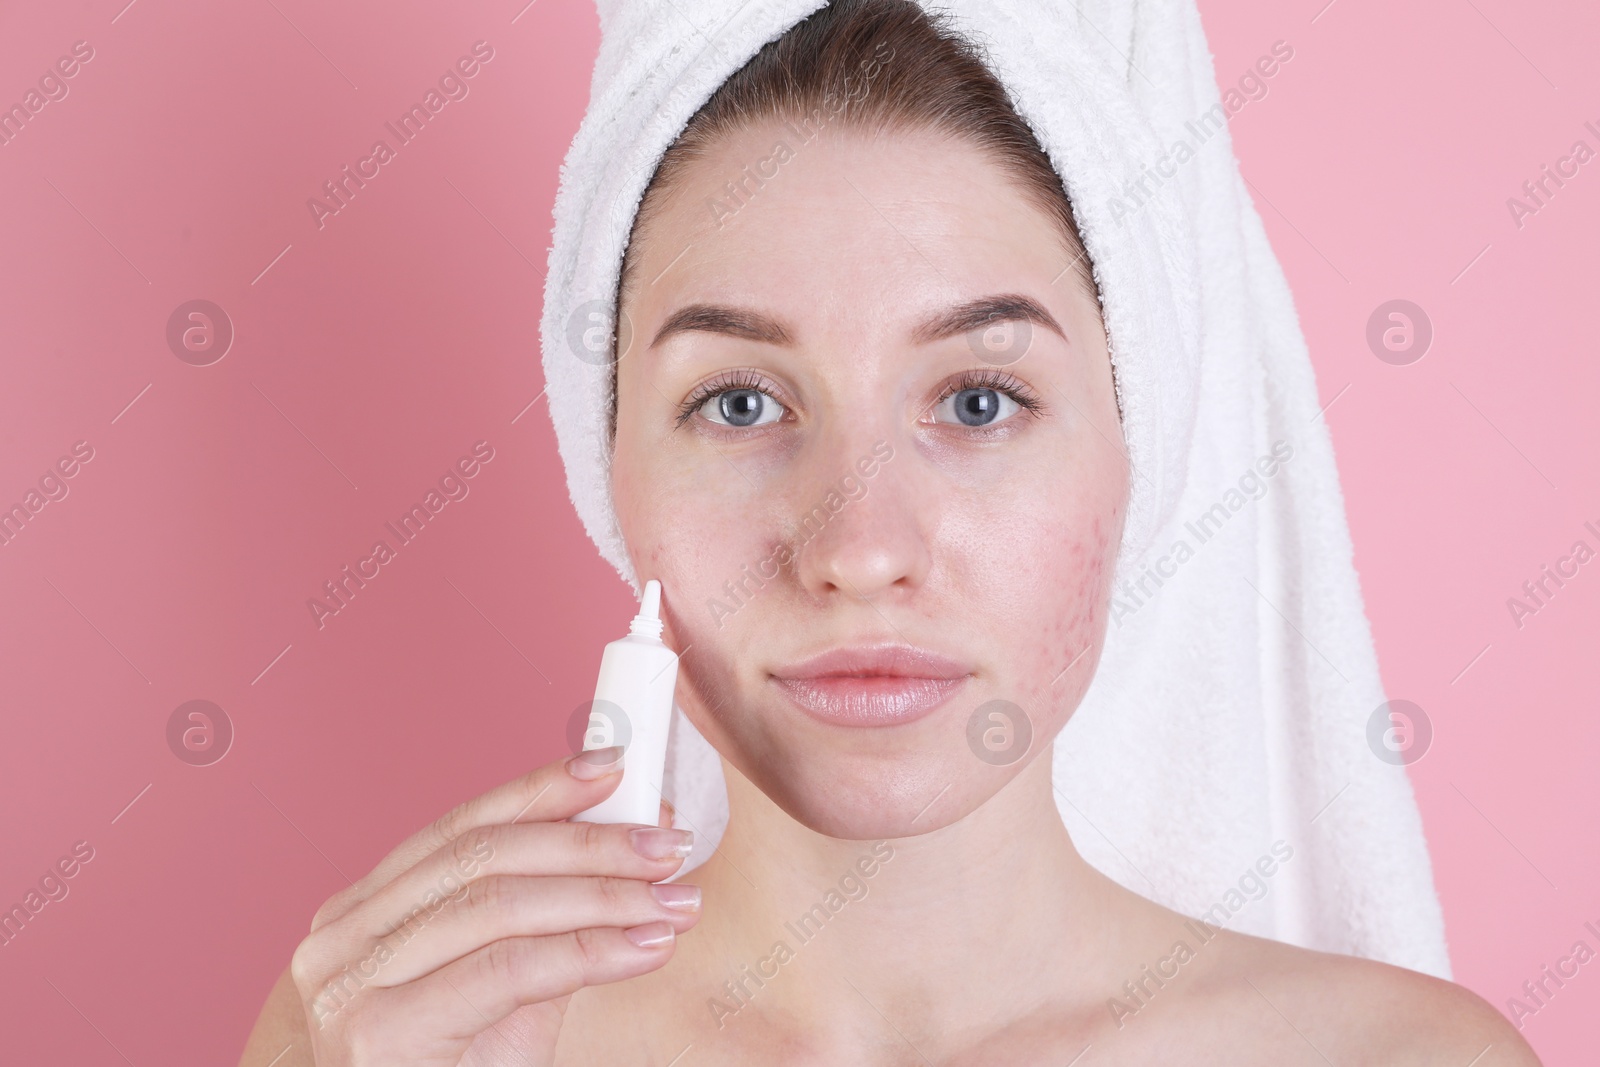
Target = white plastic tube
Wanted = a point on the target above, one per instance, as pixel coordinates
(632, 707)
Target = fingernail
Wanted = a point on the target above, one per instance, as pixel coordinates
(677, 896)
(660, 842)
(596, 763)
(650, 935)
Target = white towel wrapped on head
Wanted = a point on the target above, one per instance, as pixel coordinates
(1230, 709)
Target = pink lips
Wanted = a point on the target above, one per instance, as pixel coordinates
(879, 685)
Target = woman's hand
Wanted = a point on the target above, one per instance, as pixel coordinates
(496, 906)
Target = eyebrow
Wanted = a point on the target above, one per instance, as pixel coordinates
(754, 326)
(986, 311)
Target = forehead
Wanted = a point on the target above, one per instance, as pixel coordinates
(844, 224)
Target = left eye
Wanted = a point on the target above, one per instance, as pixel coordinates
(741, 408)
(976, 407)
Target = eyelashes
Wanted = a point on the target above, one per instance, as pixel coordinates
(998, 380)
(725, 382)
(991, 378)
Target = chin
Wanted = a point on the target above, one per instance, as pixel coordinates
(862, 814)
(865, 788)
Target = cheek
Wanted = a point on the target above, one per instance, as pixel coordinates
(1063, 591)
(713, 562)
(693, 547)
(1085, 557)
(706, 549)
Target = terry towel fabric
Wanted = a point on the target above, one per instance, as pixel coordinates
(1232, 703)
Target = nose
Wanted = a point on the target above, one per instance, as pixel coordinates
(858, 534)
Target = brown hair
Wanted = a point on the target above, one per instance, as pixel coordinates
(878, 66)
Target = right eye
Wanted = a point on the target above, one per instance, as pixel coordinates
(741, 408)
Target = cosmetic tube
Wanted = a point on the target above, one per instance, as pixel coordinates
(632, 707)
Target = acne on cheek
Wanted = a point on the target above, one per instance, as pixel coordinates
(1084, 561)
(1093, 582)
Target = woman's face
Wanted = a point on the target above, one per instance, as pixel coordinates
(867, 410)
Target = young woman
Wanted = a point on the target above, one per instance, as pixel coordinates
(898, 322)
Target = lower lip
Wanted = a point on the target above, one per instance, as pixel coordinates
(879, 700)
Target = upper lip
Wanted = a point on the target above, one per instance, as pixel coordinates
(880, 660)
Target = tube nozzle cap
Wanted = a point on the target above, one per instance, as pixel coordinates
(648, 621)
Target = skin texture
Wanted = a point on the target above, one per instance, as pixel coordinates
(935, 533)
(966, 929)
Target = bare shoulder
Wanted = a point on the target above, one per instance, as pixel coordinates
(1360, 1011)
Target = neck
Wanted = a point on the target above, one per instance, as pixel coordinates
(990, 918)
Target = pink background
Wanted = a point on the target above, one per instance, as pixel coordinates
(371, 353)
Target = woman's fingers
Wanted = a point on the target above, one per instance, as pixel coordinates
(450, 877)
(437, 1018)
(504, 907)
(480, 888)
(645, 853)
(457, 1002)
(557, 790)
(500, 904)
